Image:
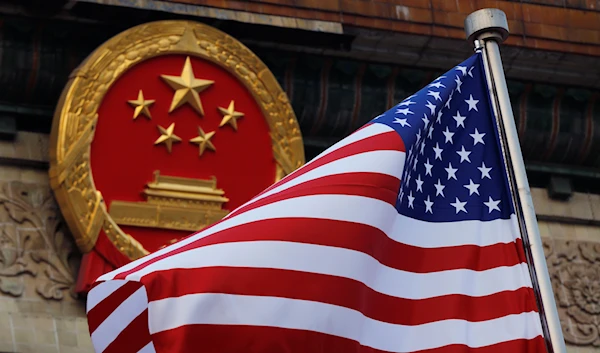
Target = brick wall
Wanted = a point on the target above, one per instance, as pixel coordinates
(571, 26)
(593, 5)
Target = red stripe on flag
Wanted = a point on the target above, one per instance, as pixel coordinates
(387, 141)
(363, 238)
(337, 291)
(133, 338)
(376, 186)
(254, 339)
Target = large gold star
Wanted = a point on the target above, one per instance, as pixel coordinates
(187, 87)
(141, 106)
(230, 116)
(167, 136)
(203, 140)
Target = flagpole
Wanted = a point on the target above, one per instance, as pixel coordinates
(487, 28)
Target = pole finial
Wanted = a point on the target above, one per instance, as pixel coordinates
(487, 24)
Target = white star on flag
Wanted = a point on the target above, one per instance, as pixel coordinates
(472, 103)
(447, 105)
(428, 204)
(428, 167)
(411, 199)
(448, 135)
(464, 155)
(439, 188)
(438, 151)
(439, 117)
(402, 122)
(458, 84)
(460, 120)
(435, 95)
(485, 172)
(431, 107)
(404, 111)
(473, 188)
(425, 119)
(451, 171)
(492, 205)
(459, 205)
(477, 137)
(462, 69)
(419, 183)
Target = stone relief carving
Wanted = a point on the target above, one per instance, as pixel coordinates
(34, 242)
(575, 272)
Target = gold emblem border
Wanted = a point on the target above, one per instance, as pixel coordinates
(76, 116)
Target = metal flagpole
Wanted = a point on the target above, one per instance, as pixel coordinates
(487, 28)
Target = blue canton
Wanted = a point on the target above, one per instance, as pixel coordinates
(454, 169)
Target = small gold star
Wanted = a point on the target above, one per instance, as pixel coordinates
(203, 140)
(141, 106)
(230, 116)
(167, 136)
(187, 87)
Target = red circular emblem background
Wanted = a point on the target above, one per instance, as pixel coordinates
(124, 156)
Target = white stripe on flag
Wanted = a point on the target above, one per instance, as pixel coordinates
(227, 309)
(431, 235)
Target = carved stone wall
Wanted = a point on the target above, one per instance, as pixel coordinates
(34, 242)
(39, 311)
(575, 272)
(571, 237)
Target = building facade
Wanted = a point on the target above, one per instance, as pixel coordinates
(340, 64)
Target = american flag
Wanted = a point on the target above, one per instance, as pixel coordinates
(402, 237)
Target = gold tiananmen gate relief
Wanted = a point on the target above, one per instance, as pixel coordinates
(162, 131)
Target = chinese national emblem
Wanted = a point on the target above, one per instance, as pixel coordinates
(161, 132)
